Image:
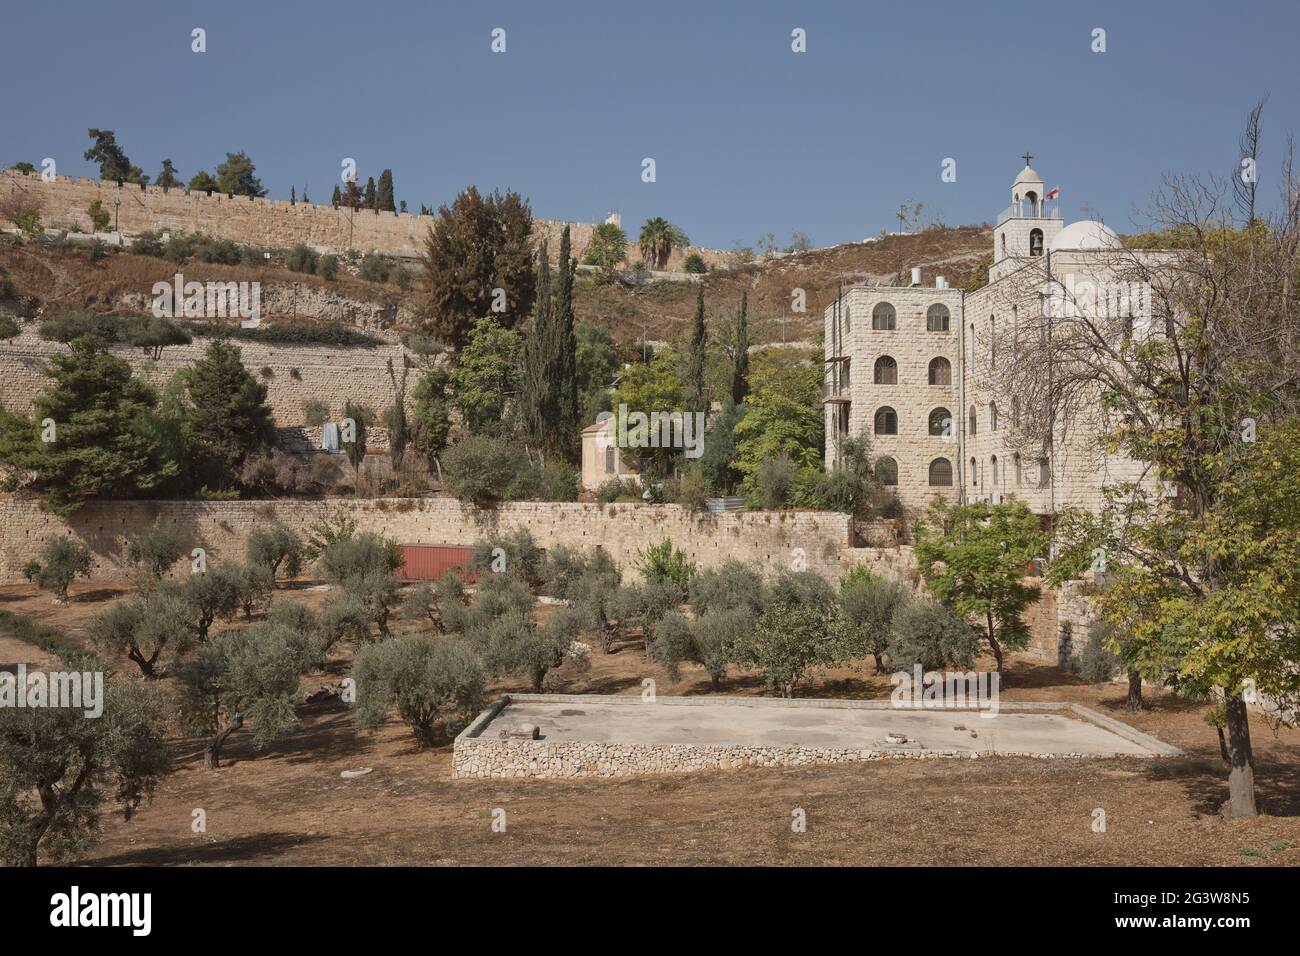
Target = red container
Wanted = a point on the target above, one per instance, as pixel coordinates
(429, 562)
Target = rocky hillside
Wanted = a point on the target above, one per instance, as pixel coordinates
(69, 278)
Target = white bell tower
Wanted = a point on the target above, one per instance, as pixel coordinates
(1026, 226)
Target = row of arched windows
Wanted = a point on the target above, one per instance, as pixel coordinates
(886, 422)
(884, 318)
(997, 477)
(940, 472)
(886, 371)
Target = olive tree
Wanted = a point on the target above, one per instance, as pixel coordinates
(154, 631)
(433, 684)
(62, 561)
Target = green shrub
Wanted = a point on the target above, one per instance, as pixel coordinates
(155, 550)
(480, 469)
(773, 483)
(617, 489)
(559, 481)
(62, 561)
(663, 562)
(695, 264)
(301, 258)
(931, 634)
(434, 685)
(1097, 663)
(802, 588)
(277, 548)
(327, 267)
(49, 639)
(514, 553)
(689, 491)
(99, 217)
(728, 586)
(868, 606)
(287, 333)
(788, 643)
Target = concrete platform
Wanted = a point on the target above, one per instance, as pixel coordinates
(618, 736)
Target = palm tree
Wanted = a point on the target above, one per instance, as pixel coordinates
(659, 238)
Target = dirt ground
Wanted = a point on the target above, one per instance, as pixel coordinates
(289, 805)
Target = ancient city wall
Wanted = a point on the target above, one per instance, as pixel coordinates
(299, 373)
(264, 222)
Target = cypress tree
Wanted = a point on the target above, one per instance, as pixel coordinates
(372, 196)
(386, 203)
(568, 346)
(550, 392)
(336, 198)
(693, 378)
(293, 196)
(740, 354)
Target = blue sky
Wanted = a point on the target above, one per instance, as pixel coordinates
(748, 137)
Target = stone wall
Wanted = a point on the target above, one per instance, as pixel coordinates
(221, 527)
(264, 222)
(298, 373)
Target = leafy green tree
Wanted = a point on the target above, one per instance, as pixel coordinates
(277, 548)
(788, 643)
(154, 550)
(363, 566)
(644, 606)
(486, 374)
(975, 558)
(227, 415)
(153, 334)
(92, 415)
(513, 644)
(728, 586)
(708, 641)
(202, 182)
(663, 562)
(245, 677)
(59, 769)
(155, 632)
(481, 469)
(658, 239)
(608, 248)
(430, 413)
(113, 164)
(595, 361)
(695, 396)
(695, 264)
(480, 244)
(718, 462)
(384, 200)
(235, 176)
(647, 388)
(213, 594)
(168, 179)
(932, 635)
(868, 608)
(778, 422)
(435, 685)
(549, 393)
(62, 561)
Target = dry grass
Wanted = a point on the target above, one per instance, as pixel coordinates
(288, 804)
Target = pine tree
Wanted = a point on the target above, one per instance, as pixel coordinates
(168, 179)
(386, 202)
(696, 394)
(98, 447)
(228, 417)
(372, 196)
(740, 354)
(293, 196)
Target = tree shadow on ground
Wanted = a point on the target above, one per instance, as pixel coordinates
(1205, 781)
(245, 849)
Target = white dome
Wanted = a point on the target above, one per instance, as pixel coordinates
(1086, 234)
(1027, 176)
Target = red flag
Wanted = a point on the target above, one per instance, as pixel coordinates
(1053, 193)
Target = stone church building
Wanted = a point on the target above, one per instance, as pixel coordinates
(922, 371)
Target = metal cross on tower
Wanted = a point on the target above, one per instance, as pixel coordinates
(1028, 157)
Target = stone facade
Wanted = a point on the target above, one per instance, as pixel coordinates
(989, 450)
(266, 222)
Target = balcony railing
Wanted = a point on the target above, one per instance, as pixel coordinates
(1017, 212)
(835, 392)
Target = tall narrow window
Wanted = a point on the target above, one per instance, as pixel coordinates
(1015, 461)
(973, 422)
(993, 341)
(883, 317)
(993, 471)
(993, 416)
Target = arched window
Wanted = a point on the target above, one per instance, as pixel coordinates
(941, 473)
(974, 474)
(1035, 242)
(974, 424)
(936, 318)
(883, 317)
(886, 371)
(940, 371)
(887, 472)
(1015, 411)
(993, 416)
(1015, 461)
(886, 421)
(941, 423)
(609, 459)
(1031, 203)
(993, 470)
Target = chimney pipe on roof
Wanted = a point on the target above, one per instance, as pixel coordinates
(916, 275)
(940, 282)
